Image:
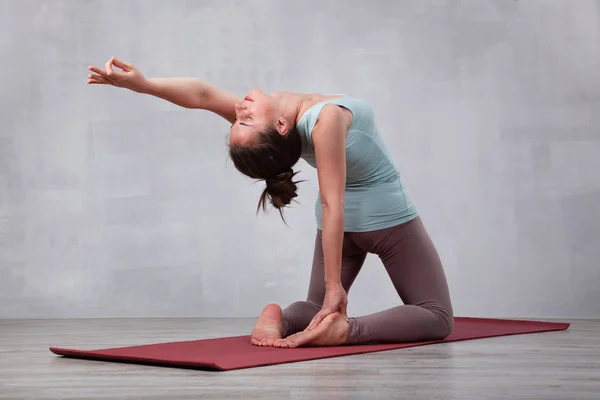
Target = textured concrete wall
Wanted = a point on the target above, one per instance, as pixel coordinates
(117, 204)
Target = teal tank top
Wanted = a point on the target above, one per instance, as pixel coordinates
(375, 196)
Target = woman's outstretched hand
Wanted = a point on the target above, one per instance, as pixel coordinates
(129, 77)
(336, 300)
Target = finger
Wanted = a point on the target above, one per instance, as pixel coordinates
(123, 65)
(96, 77)
(302, 338)
(97, 70)
(98, 80)
(313, 322)
(317, 319)
(108, 67)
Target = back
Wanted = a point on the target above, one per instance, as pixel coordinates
(375, 196)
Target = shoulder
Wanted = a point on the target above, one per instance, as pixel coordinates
(332, 117)
(331, 128)
(324, 116)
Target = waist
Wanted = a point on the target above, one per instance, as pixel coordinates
(371, 207)
(373, 187)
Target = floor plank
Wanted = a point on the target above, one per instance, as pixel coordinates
(554, 365)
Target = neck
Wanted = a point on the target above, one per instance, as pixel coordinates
(291, 105)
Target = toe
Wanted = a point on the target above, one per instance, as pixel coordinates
(292, 341)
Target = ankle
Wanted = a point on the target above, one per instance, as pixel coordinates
(352, 331)
(285, 327)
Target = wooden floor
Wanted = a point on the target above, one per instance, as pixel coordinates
(555, 365)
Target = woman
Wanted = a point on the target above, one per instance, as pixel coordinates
(363, 207)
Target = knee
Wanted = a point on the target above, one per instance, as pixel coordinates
(444, 323)
(446, 326)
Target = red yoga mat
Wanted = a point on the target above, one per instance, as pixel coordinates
(237, 352)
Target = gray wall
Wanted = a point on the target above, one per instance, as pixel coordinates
(117, 204)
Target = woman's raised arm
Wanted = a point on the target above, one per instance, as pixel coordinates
(185, 92)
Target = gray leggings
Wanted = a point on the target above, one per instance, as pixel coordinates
(415, 269)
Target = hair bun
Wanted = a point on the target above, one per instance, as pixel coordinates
(282, 189)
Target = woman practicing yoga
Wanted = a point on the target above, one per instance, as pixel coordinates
(363, 207)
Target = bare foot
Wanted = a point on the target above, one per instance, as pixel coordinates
(268, 327)
(332, 331)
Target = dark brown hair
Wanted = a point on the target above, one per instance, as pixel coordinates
(270, 157)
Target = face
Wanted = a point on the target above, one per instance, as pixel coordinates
(253, 115)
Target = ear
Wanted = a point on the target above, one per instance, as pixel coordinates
(282, 126)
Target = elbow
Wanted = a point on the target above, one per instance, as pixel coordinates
(198, 100)
(199, 96)
(333, 207)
